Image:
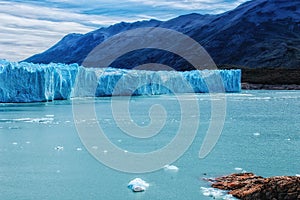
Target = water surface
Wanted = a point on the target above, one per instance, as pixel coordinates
(261, 134)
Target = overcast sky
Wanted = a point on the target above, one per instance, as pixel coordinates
(28, 27)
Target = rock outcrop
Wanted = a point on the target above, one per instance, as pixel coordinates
(247, 186)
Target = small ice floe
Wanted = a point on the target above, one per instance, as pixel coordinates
(216, 193)
(171, 168)
(138, 185)
(78, 149)
(59, 148)
(107, 120)
(119, 141)
(28, 142)
(49, 115)
(14, 127)
(105, 151)
(238, 169)
(298, 175)
(95, 147)
(15, 143)
(256, 134)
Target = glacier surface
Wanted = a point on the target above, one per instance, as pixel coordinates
(27, 82)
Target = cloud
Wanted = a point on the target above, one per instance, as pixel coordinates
(21, 37)
(55, 14)
(207, 6)
(28, 27)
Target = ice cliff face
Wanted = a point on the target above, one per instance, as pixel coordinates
(27, 82)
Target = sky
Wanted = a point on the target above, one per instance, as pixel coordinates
(28, 27)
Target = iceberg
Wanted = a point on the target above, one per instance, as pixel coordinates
(28, 82)
(171, 168)
(138, 185)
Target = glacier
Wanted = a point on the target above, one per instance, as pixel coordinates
(28, 82)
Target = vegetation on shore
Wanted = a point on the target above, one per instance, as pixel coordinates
(267, 76)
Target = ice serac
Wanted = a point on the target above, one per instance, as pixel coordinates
(27, 82)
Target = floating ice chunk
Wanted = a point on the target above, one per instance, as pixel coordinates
(256, 134)
(14, 127)
(216, 193)
(28, 142)
(211, 192)
(238, 169)
(138, 185)
(171, 168)
(15, 143)
(59, 148)
(298, 175)
(28, 120)
(78, 149)
(37, 120)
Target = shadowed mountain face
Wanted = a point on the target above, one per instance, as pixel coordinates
(259, 33)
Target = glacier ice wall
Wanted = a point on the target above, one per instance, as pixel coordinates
(27, 82)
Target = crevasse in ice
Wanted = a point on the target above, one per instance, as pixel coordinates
(27, 82)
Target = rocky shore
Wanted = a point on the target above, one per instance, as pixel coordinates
(247, 186)
(251, 86)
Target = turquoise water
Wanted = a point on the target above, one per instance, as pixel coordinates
(261, 134)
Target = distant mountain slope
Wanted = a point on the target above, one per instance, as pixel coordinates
(258, 33)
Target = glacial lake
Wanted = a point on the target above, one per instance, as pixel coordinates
(42, 156)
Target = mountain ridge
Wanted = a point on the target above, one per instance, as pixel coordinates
(256, 34)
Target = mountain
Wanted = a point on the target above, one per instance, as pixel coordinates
(258, 33)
